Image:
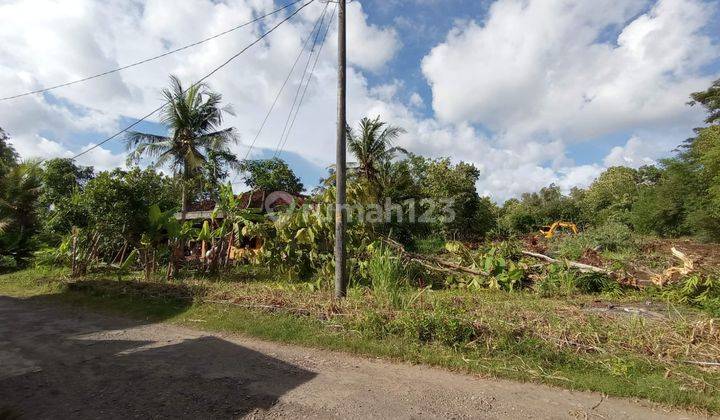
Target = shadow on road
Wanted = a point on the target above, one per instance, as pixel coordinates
(57, 362)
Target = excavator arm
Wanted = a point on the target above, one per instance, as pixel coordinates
(549, 231)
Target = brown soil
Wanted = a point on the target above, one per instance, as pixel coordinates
(705, 256)
(534, 243)
(592, 257)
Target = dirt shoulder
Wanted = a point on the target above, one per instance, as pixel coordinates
(59, 362)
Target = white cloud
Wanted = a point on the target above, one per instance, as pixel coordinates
(37, 147)
(634, 153)
(416, 100)
(536, 89)
(369, 47)
(541, 68)
(47, 42)
(101, 159)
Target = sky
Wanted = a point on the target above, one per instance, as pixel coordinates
(532, 92)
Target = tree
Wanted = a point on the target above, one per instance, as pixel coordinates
(118, 202)
(19, 190)
(8, 155)
(661, 207)
(194, 118)
(372, 146)
(62, 179)
(216, 169)
(542, 208)
(710, 99)
(270, 175)
(611, 195)
(451, 190)
(705, 150)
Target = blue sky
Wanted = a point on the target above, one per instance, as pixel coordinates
(532, 92)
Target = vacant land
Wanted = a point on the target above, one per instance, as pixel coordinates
(60, 362)
(630, 345)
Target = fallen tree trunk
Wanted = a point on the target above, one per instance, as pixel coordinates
(428, 261)
(580, 266)
(438, 264)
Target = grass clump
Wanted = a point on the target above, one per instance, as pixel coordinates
(387, 277)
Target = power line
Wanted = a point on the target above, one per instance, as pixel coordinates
(297, 93)
(282, 88)
(312, 71)
(85, 79)
(215, 70)
(297, 110)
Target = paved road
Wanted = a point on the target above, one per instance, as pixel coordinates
(59, 362)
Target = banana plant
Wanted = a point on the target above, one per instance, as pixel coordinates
(162, 230)
(496, 260)
(126, 265)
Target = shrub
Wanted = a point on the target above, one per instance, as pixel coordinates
(7, 263)
(561, 281)
(698, 291)
(439, 325)
(557, 281)
(432, 244)
(610, 236)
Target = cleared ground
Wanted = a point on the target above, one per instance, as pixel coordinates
(59, 362)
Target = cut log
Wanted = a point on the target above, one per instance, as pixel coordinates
(428, 261)
(579, 266)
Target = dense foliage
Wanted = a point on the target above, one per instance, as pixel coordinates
(270, 175)
(421, 202)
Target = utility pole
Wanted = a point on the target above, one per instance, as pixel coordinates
(341, 280)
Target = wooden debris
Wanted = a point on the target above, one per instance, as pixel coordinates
(431, 262)
(580, 266)
(673, 273)
(701, 363)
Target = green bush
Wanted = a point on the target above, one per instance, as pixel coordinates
(432, 244)
(558, 280)
(699, 291)
(439, 325)
(610, 236)
(7, 263)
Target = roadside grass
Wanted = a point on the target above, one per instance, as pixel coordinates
(579, 342)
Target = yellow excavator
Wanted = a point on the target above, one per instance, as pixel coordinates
(549, 231)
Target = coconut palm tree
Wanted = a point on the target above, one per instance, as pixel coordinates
(372, 146)
(20, 188)
(194, 117)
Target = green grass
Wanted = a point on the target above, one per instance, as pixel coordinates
(487, 332)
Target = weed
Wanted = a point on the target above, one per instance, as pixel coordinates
(696, 290)
(557, 281)
(387, 277)
(440, 325)
(428, 245)
(611, 236)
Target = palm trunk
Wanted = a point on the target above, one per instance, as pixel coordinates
(183, 214)
(184, 205)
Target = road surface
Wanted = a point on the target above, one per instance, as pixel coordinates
(61, 362)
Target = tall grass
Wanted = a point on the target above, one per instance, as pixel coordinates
(387, 277)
